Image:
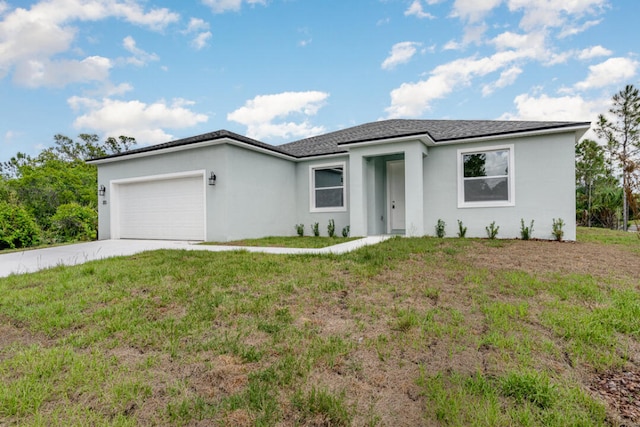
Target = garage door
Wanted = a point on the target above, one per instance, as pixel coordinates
(171, 209)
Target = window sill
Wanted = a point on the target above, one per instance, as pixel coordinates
(321, 210)
(472, 205)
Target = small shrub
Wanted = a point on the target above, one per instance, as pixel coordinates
(345, 231)
(73, 222)
(440, 231)
(462, 230)
(18, 229)
(492, 230)
(558, 232)
(315, 228)
(300, 229)
(525, 232)
(331, 228)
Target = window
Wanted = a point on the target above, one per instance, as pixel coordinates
(327, 188)
(485, 177)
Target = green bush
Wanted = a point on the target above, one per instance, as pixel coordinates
(462, 230)
(18, 229)
(558, 232)
(492, 230)
(526, 232)
(331, 228)
(440, 228)
(74, 222)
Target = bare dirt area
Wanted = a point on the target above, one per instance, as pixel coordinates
(544, 257)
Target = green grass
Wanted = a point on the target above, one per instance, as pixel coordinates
(410, 329)
(288, 242)
(605, 236)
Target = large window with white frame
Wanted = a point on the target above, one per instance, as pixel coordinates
(327, 187)
(485, 177)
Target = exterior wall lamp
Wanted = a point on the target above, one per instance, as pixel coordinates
(102, 190)
(212, 179)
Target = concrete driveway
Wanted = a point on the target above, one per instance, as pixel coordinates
(38, 259)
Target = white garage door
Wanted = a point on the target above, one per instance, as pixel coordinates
(169, 209)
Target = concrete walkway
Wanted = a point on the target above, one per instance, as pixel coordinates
(38, 259)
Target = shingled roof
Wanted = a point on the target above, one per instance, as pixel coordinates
(439, 131)
(211, 136)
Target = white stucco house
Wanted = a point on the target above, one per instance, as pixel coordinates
(393, 176)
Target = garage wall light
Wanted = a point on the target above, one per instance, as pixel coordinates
(102, 190)
(212, 179)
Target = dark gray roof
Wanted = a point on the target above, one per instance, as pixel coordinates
(437, 130)
(211, 136)
(336, 142)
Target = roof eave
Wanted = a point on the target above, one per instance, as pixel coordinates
(580, 129)
(206, 143)
(422, 137)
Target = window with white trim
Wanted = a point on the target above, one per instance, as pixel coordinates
(485, 177)
(328, 190)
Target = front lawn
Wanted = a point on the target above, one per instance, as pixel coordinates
(413, 331)
(288, 242)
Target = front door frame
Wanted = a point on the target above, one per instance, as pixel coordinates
(393, 199)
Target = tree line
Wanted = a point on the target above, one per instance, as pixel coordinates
(52, 197)
(608, 171)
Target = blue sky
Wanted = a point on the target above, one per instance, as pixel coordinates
(282, 70)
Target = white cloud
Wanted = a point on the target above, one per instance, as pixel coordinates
(145, 122)
(201, 40)
(474, 33)
(416, 9)
(554, 58)
(30, 38)
(221, 6)
(110, 89)
(412, 99)
(571, 30)
(306, 34)
(610, 72)
(10, 135)
(452, 45)
(593, 52)
(556, 13)
(546, 108)
(400, 53)
(474, 10)
(37, 73)
(197, 24)
(507, 77)
(259, 114)
(140, 57)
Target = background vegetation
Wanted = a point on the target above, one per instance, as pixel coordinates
(608, 174)
(52, 197)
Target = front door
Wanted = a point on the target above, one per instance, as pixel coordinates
(395, 196)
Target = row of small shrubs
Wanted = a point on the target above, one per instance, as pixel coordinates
(315, 229)
(526, 232)
(71, 222)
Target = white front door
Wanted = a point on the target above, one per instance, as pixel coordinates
(395, 196)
